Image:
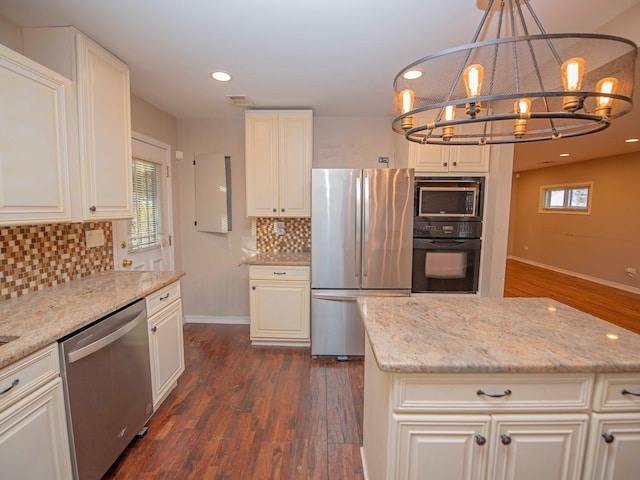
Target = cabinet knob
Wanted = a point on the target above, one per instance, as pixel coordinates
(455, 163)
(282, 209)
(253, 288)
(154, 329)
(275, 210)
(92, 208)
(480, 439)
(608, 437)
(444, 164)
(505, 439)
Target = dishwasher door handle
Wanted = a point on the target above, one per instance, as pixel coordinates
(106, 340)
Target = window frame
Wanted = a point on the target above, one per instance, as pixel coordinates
(566, 209)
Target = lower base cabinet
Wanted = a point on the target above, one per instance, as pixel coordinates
(552, 426)
(166, 341)
(34, 444)
(280, 305)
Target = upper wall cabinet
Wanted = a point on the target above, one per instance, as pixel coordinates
(34, 159)
(103, 122)
(442, 158)
(279, 148)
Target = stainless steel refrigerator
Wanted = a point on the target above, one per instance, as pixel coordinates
(361, 244)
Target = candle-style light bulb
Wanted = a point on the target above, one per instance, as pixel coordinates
(473, 76)
(572, 73)
(603, 104)
(448, 114)
(407, 98)
(523, 108)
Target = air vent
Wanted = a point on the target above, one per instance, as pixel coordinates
(240, 100)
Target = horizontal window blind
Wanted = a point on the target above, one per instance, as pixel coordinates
(145, 228)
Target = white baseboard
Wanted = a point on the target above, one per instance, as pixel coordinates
(213, 319)
(619, 286)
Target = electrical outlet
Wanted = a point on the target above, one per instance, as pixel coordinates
(278, 228)
(94, 238)
(631, 272)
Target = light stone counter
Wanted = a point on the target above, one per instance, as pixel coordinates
(493, 335)
(41, 318)
(302, 259)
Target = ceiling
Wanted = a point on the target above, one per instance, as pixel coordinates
(338, 57)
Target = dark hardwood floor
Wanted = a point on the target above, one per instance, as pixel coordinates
(243, 413)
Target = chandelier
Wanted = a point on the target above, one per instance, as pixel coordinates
(517, 87)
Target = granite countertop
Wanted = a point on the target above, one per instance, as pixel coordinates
(493, 335)
(41, 318)
(302, 259)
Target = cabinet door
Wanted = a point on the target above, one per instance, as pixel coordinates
(33, 437)
(34, 165)
(166, 347)
(429, 158)
(532, 447)
(469, 158)
(295, 151)
(614, 447)
(279, 312)
(105, 132)
(442, 447)
(261, 151)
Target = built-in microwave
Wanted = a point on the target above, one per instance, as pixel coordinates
(452, 197)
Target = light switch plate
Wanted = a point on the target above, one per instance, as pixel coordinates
(94, 238)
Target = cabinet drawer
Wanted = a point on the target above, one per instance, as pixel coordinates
(278, 273)
(464, 393)
(160, 299)
(28, 374)
(609, 396)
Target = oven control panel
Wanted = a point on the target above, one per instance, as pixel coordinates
(431, 229)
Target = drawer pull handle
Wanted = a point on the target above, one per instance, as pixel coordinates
(279, 273)
(13, 384)
(506, 393)
(505, 439)
(608, 437)
(480, 439)
(627, 392)
(164, 297)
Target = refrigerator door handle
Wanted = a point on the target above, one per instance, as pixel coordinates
(358, 225)
(365, 227)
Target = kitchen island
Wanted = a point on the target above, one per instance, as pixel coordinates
(497, 388)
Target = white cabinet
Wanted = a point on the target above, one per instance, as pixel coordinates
(102, 120)
(34, 157)
(166, 342)
(614, 434)
(279, 305)
(459, 159)
(278, 151)
(33, 429)
(474, 426)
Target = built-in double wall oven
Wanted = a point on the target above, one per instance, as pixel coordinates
(447, 232)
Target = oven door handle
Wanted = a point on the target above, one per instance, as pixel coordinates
(106, 340)
(447, 242)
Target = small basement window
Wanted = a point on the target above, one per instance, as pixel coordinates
(574, 198)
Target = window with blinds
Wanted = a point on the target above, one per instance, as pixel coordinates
(146, 226)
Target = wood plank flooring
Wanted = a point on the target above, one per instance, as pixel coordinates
(241, 412)
(611, 304)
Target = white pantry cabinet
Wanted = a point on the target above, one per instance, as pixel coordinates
(34, 155)
(451, 159)
(102, 116)
(166, 341)
(279, 305)
(278, 152)
(34, 443)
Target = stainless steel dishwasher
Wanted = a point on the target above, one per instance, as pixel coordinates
(107, 380)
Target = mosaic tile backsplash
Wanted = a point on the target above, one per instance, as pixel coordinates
(296, 238)
(34, 257)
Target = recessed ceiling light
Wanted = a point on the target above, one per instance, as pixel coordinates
(632, 140)
(412, 74)
(564, 154)
(221, 76)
